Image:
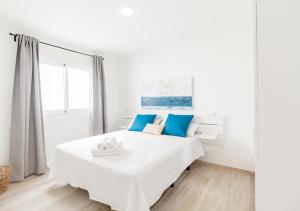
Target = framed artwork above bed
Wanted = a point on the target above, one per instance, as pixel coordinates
(173, 93)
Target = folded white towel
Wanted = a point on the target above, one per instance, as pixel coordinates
(107, 146)
(107, 143)
(101, 146)
(114, 151)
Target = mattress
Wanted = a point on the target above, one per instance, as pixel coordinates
(131, 181)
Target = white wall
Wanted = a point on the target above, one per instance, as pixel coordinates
(278, 186)
(59, 128)
(222, 67)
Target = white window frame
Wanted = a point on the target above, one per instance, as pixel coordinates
(66, 110)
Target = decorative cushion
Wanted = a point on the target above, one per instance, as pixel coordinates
(158, 120)
(141, 121)
(153, 129)
(177, 125)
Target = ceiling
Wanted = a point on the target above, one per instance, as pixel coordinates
(98, 25)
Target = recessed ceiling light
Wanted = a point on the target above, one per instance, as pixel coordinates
(126, 11)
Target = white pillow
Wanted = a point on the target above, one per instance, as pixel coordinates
(153, 129)
(158, 120)
(192, 129)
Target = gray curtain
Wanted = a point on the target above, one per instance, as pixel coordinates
(27, 145)
(98, 102)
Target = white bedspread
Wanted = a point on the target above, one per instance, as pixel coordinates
(131, 181)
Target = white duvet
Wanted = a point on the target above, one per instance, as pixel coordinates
(131, 181)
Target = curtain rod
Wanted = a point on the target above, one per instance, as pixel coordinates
(55, 46)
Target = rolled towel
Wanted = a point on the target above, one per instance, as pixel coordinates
(116, 151)
(107, 143)
(112, 145)
(111, 141)
(101, 146)
(103, 143)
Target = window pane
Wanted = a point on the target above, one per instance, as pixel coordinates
(79, 88)
(52, 87)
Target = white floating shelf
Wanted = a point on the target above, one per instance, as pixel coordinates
(208, 137)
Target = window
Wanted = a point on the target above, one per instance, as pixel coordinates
(52, 87)
(64, 88)
(78, 86)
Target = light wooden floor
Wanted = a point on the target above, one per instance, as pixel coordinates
(203, 188)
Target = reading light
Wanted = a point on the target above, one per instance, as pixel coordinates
(126, 11)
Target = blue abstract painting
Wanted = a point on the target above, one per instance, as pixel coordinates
(173, 93)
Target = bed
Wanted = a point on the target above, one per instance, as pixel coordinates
(133, 180)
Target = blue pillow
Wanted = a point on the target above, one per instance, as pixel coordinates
(141, 120)
(177, 125)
